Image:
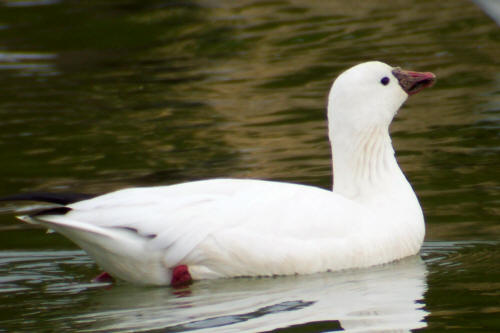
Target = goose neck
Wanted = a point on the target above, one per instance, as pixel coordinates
(364, 163)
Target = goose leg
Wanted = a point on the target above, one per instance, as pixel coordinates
(103, 277)
(180, 276)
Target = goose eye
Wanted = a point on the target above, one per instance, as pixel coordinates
(385, 80)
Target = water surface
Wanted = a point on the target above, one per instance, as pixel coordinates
(98, 96)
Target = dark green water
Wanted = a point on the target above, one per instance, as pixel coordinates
(100, 95)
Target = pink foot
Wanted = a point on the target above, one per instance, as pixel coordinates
(103, 277)
(180, 276)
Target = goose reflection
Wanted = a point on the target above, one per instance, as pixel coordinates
(385, 298)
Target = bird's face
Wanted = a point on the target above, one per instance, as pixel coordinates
(370, 94)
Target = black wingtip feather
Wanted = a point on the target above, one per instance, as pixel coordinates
(53, 211)
(57, 198)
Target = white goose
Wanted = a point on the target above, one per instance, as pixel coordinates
(241, 227)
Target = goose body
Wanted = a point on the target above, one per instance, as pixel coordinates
(242, 227)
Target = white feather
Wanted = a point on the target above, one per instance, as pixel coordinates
(242, 227)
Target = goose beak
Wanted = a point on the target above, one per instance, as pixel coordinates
(413, 82)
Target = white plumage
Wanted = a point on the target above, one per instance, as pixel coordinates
(241, 227)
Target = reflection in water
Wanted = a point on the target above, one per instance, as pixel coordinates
(44, 284)
(386, 298)
(394, 297)
(103, 95)
(27, 64)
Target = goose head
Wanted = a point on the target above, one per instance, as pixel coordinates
(362, 102)
(369, 95)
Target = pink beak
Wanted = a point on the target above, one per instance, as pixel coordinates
(413, 82)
